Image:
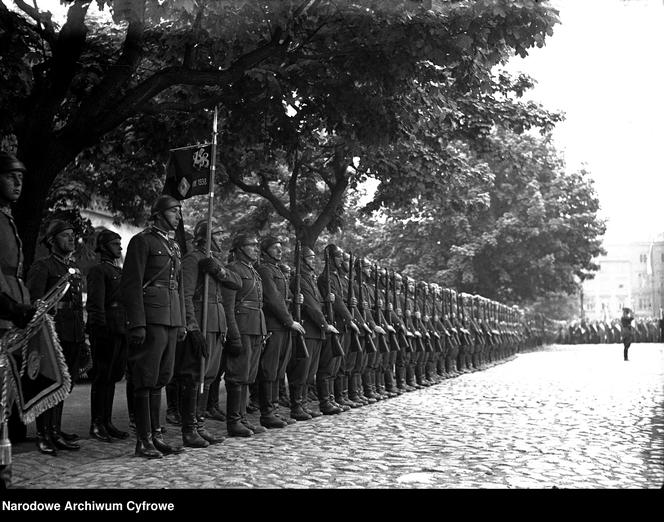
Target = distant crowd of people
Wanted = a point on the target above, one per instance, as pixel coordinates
(583, 331)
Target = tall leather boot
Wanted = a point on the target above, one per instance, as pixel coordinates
(172, 403)
(213, 409)
(296, 410)
(380, 384)
(401, 378)
(359, 386)
(304, 391)
(277, 401)
(354, 389)
(58, 436)
(326, 407)
(243, 411)
(370, 388)
(188, 396)
(44, 439)
(336, 392)
(390, 387)
(108, 417)
(201, 402)
(155, 422)
(253, 404)
(346, 389)
(283, 393)
(144, 446)
(234, 398)
(268, 418)
(129, 391)
(97, 413)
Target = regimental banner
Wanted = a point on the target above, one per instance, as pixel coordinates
(188, 171)
(37, 377)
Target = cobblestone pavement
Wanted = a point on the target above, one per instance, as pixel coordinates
(563, 417)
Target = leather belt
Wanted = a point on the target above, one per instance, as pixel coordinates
(250, 305)
(172, 285)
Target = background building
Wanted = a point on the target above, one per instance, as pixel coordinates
(631, 274)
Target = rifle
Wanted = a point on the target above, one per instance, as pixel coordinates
(404, 286)
(337, 349)
(419, 342)
(392, 337)
(355, 344)
(382, 344)
(437, 344)
(299, 344)
(369, 345)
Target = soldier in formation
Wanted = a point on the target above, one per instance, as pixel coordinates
(357, 332)
(153, 297)
(43, 275)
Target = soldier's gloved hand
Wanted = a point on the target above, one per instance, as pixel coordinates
(379, 330)
(212, 267)
(297, 327)
(418, 333)
(390, 328)
(137, 335)
(299, 299)
(353, 301)
(330, 328)
(330, 297)
(418, 315)
(233, 346)
(199, 344)
(353, 327)
(22, 314)
(367, 328)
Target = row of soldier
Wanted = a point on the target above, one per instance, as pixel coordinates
(583, 331)
(356, 332)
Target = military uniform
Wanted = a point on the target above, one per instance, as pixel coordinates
(302, 372)
(13, 292)
(108, 340)
(332, 370)
(246, 335)
(69, 326)
(188, 355)
(277, 351)
(153, 298)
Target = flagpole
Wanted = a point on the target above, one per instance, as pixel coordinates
(208, 241)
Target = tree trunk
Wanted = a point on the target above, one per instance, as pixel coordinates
(43, 163)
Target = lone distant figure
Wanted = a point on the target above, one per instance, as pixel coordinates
(627, 330)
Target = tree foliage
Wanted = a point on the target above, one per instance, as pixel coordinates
(528, 228)
(306, 87)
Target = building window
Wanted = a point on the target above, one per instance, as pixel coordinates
(643, 258)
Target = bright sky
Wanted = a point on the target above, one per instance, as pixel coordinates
(604, 67)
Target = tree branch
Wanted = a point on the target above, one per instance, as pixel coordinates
(263, 190)
(44, 24)
(139, 97)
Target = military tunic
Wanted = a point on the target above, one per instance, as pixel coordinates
(153, 298)
(106, 323)
(11, 263)
(246, 322)
(187, 365)
(301, 371)
(43, 275)
(278, 319)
